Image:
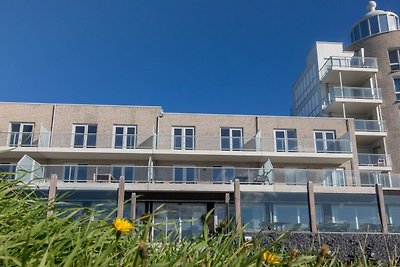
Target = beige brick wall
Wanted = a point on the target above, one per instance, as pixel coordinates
(23, 112)
(378, 46)
(105, 117)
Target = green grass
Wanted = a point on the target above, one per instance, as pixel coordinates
(70, 237)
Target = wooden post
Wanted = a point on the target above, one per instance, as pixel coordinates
(381, 208)
(133, 206)
(227, 199)
(52, 193)
(121, 197)
(311, 207)
(237, 204)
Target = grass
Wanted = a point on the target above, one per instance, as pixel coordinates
(70, 237)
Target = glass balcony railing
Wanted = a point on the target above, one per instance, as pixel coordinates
(380, 160)
(354, 93)
(185, 143)
(370, 125)
(348, 62)
(81, 173)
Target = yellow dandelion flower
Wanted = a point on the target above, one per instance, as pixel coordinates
(122, 226)
(270, 258)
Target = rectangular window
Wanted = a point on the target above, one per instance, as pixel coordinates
(231, 139)
(7, 170)
(85, 136)
(124, 137)
(285, 140)
(394, 59)
(183, 138)
(21, 134)
(223, 174)
(397, 88)
(128, 172)
(324, 141)
(185, 174)
(75, 173)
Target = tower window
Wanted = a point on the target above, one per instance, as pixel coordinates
(397, 88)
(394, 58)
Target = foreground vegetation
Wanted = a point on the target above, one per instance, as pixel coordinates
(30, 236)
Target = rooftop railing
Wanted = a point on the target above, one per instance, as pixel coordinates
(179, 143)
(354, 93)
(348, 62)
(370, 125)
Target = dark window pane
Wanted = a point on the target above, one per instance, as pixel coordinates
(364, 28)
(117, 172)
(291, 133)
(178, 142)
(237, 133)
(383, 22)
(190, 175)
(357, 32)
(119, 130)
(82, 173)
(79, 129)
(129, 173)
(177, 131)
(280, 134)
(217, 174)
(78, 141)
(189, 142)
(178, 175)
(92, 128)
(131, 130)
(224, 131)
(15, 127)
(118, 141)
(225, 143)
(91, 140)
(393, 56)
(373, 22)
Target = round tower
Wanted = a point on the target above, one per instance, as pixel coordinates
(377, 34)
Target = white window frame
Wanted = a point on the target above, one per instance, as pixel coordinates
(183, 137)
(324, 139)
(231, 138)
(184, 173)
(85, 135)
(21, 134)
(223, 173)
(125, 136)
(74, 177)
(123, 171)
(285, 139)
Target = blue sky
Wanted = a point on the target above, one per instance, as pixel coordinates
(198, 56)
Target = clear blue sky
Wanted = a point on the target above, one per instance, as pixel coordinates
(200, 56)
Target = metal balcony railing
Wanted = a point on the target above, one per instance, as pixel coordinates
(348, 62)
(183, 143)
(379, 160)
(370, 125)
(354, 93)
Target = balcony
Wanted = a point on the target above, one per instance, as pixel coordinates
(361, 99)
(185, 148)
(374, 161)
(369, 131)
(370, 126)
(89, 175)
(353, 70)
